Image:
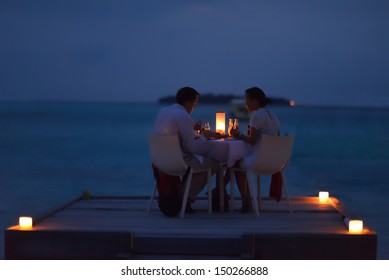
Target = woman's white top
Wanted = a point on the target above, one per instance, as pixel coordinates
(266, 122)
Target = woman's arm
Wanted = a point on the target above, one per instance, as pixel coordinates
(250, 139)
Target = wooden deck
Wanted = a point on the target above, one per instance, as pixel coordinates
(120, 228)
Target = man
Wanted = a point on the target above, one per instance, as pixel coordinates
(176, 119)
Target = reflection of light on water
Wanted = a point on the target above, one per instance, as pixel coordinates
(291, 103)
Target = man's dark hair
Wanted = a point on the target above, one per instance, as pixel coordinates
(259, 95)
(186, 94)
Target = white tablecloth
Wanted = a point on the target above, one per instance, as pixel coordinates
(227, 150)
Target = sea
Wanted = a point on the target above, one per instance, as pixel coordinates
(50, 152)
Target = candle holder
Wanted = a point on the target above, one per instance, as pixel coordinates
(25, 223)
(323, 197)
(355, 226)
(221, 122)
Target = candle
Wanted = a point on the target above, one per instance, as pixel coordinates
(221, 122)
(323, 197)
(25, 222)
(355, 226)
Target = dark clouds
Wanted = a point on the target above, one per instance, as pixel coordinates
(321, 52)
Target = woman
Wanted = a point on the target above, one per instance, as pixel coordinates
(262, 121)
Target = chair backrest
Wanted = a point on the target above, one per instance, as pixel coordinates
(273, 154)
(166, 154)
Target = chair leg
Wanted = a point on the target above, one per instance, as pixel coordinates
(209, 173)
(221, 188)
(186, 193)
(152, 198)
(285, 188)
(232, 187)
(252, 193)
(259, 191)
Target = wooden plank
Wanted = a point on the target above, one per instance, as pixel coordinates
(188, 245)
(112, 227)
(305, 246)
(270, 221)
(50, 245)
(106, 217)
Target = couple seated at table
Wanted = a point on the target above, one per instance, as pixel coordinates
(176, 119)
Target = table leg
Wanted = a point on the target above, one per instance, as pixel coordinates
(221, 191)
(220, 185)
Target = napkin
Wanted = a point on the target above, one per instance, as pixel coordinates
(276, 186)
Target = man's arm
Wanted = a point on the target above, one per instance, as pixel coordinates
(191, 143)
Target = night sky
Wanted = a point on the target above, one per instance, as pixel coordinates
(332, 52)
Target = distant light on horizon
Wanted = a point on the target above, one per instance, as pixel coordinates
(291, 103)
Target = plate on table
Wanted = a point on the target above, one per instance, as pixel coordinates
(230, 139)
(213, 139)
(221, 136)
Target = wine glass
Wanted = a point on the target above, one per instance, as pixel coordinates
(207, 126)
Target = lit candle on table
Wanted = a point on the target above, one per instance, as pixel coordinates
(221, 122)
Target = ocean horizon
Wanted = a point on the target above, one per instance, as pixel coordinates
(52, 151)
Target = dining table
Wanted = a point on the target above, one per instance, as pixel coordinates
(227, 151)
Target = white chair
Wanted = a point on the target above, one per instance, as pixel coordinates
(272, 156)
(166, 155)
